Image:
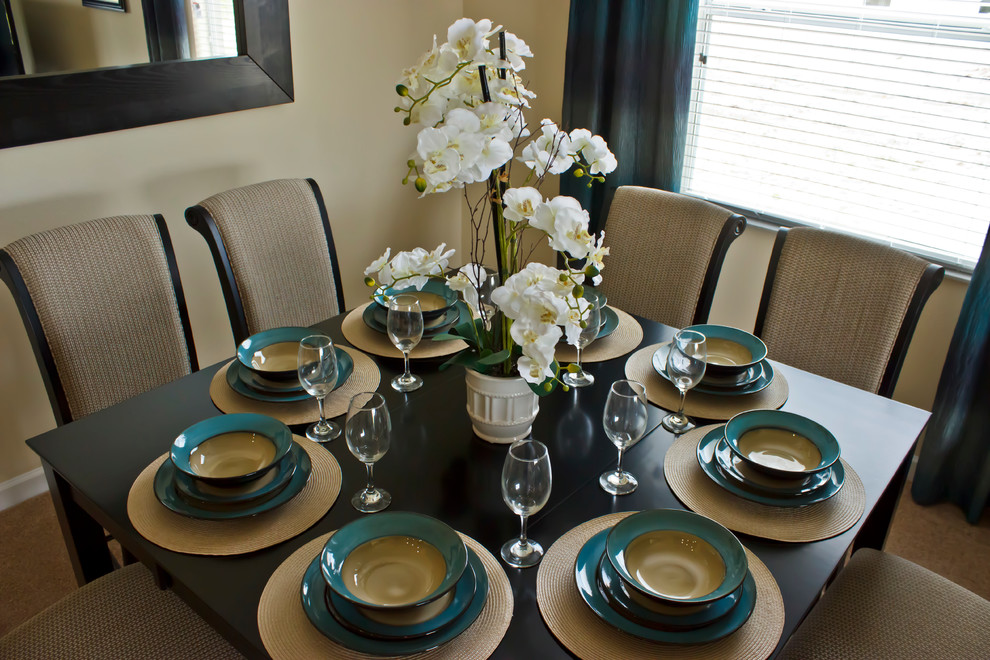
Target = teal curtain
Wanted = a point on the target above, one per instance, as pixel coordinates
(955, 456)
(628, 79)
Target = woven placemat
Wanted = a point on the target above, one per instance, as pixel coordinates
(585, 635)
(365, 378)
(287, 632)
(796, 524)
(357, 332)
(625, 338)
(176, 532)
(639, 367)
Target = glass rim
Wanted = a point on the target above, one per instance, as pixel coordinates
(306, 341)
(633, 386)
(687, 334)
(541, 448)
(375, 397)
(404, 296)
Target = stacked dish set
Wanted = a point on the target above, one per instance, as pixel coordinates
(737, 363)
(232, 466)
(667, 576)
(609, 319)
(773, 457)
(393, 584)
(436, 301)
(265, 368)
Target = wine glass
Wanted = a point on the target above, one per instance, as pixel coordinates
(405, 329)
(316, 364)
(625, 423)
(486, 286)
(368, 429)
(686, 363)
(593, 325)
(526, 483)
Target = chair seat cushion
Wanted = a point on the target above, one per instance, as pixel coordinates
(883, 606)
(120, 615)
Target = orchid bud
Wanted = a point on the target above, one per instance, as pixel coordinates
(573, 368)
(402, 90)
(420, 184)
(591, 271)
(411, 163)
(578, 291)
(579, 172)
(547, 387)
(406, 121)
(369, 281)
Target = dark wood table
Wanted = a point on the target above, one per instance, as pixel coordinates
(437, 466)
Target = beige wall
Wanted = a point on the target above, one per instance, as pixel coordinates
(341, 131)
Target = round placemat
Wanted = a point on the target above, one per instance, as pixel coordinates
(639, 367)
(176, 532)
(796, 524)
(287, 632)
(625, 338)
(365, 378)
(585, 635)
(357, 332)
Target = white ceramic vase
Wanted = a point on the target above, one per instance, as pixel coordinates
(502, 409)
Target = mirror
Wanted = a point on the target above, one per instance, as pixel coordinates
(44, 107)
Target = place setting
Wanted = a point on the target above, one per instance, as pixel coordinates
(658, 583)
(768, 473)
(269, 376)
(233, 484)
(618, 333)
(395, 583)
(725, 369)
(367, 327)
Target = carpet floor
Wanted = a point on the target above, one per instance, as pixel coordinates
(35, 570)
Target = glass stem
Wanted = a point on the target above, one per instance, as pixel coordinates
(680, 408)
(371, 477)
(618, 466)
(323, 419)
(407, 375)
(523, 541)
(579, 358)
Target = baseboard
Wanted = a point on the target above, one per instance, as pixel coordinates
(22, 487)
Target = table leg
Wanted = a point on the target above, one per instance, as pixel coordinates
(84, 537)
(874, 531)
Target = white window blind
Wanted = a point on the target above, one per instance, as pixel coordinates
(214, 31)
(865, 116)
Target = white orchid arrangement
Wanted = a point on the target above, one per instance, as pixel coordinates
(468, 99)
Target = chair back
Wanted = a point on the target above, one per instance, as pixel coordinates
(843, 307)
(104, 309)
(666, 253)
(274, 253)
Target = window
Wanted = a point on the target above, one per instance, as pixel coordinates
(865, 116)
(214, 31)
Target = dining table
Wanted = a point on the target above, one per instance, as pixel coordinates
(437, 466)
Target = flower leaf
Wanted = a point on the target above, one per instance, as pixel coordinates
(495, 358)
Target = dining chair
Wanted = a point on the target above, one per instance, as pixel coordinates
(883, 606)
(843, 307)
(666, 253)
(120, 615)
(104, 310)
(274, 253)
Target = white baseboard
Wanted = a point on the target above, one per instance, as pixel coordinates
(22, 487)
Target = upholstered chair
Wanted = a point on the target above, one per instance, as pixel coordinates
(885, 607)
(843, 307)
(274, 253)
(666, 253)
(104, 310)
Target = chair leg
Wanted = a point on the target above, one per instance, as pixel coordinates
(84, 538)
(874, 531)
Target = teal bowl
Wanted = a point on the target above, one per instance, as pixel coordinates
(393, 561)
(435, 298)
(231, 449)
(676, 557)
(731, 351)
(273, 354)
(784, 445)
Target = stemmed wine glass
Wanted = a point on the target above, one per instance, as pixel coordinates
(526, 481)
(593, 325)
(316, 364)
(625, 423)
(405, 329)
(486, 286)
(686, 364)
(368, 429)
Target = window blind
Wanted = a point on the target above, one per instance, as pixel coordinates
(865, 116)
(214, 28)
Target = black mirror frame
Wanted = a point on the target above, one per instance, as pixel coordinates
(54, 107)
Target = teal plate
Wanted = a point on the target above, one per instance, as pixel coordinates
(203, 495)
(353, 619)
(760, 383)
(709, 464)
(609, 323)
(433, 285)
(166, 493)
(376, 318)
(237, 381)
(733, 467)
(585, 573)
(314, 604)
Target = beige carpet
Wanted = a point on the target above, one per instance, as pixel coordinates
(35, 571)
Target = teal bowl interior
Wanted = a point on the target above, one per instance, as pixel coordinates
(435, 286)
(728, 548)
(397, 523)
(824, 441)
(190, 454)
(723, 333)
(252, 352)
